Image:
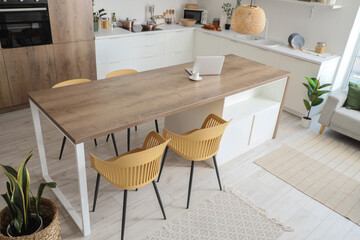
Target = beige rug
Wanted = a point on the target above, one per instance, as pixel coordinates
(324, 168)
(225, 216)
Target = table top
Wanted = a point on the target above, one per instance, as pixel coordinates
(90, 110)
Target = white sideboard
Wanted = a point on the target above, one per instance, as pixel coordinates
(146, 51)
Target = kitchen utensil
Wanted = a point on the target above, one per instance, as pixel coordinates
(149, 27)
(187, 22)
(127, 24)
(296, 41)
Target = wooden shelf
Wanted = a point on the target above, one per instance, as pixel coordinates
(324, 5)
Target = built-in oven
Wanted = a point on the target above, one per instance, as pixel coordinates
(24, 23)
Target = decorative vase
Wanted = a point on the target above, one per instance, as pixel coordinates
(305, 122)
(100, 23)
(96, 26)
(227, 26)
(51, 225)
(248, 20)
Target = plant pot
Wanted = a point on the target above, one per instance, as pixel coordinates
(51, 224)
(33, 215)
(227, 26)
(96, 26)
(305, 122)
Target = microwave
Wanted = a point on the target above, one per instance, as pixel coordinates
(200, 15)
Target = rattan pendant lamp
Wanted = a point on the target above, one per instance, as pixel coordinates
(248, 19)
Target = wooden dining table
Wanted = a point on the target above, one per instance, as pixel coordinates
(90, 110)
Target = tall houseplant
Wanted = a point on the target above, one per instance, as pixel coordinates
(19, 200)
(228, 10)
(314, 92)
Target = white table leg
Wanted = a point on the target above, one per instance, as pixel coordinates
(39, 138)
(83, 221)
(80, 159)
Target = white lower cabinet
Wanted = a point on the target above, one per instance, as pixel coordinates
(144, 52)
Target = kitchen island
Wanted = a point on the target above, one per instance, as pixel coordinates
(250, 93)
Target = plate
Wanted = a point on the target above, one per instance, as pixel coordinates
(195, 79)
(296, 41)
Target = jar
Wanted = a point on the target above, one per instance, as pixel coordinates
(320, 47)
(216, 21)
(106, 23)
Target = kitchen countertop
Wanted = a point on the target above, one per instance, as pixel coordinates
(281, 48)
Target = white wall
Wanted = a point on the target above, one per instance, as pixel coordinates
(330, 26)
(135, 9)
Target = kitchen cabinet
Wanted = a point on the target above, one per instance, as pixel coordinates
(75, 60)
(29, 69)
(208, 44)
(143, 52)
(71, 20)
(5, 96)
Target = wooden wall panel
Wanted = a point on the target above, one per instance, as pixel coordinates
(75, 60)
(5, 96)
(71, 20)
(29, 69)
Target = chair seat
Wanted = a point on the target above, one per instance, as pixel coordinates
(346, 119)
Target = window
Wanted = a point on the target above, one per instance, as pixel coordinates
(355, 70)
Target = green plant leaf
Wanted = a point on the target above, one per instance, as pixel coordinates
(317, 101)
(18, 221)
(320, 93)
(9, 169)
(8, 202)
(41, 190)
(309, 88)
(325, 85)
(311, 82)
(307, 104)
(313, 97)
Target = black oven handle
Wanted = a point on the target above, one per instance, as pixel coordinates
(22, 9)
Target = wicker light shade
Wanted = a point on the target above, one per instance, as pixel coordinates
(248, 19)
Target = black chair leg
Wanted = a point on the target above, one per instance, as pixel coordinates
(114, 142)
(107, 138)
(162, 163)
(190, 183)
(123, 215)
(157, 125)
(135, 128)
(159, 199)
(62, 147)
(128, 139)
(95, 142)
(96, 191)
(217, 172)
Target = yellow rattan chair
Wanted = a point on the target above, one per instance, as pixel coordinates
(64, 84)
(118, 73)
(133, 170)
(198, 145)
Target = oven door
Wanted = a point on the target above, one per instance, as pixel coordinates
(20, 27)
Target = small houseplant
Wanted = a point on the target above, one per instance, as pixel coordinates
(97, 19)
(228, 10)
(314, 92)
(23, 215)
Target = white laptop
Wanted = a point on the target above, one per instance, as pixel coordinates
(207, 65)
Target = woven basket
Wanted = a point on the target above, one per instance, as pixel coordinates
(49, 214)
(248, 19)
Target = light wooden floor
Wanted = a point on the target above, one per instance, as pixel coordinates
(310, 219)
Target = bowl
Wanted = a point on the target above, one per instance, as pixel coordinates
(187, 22)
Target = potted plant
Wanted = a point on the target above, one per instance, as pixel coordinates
(314, 93)
(27, 216)
(97, 19)
(228, 10)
